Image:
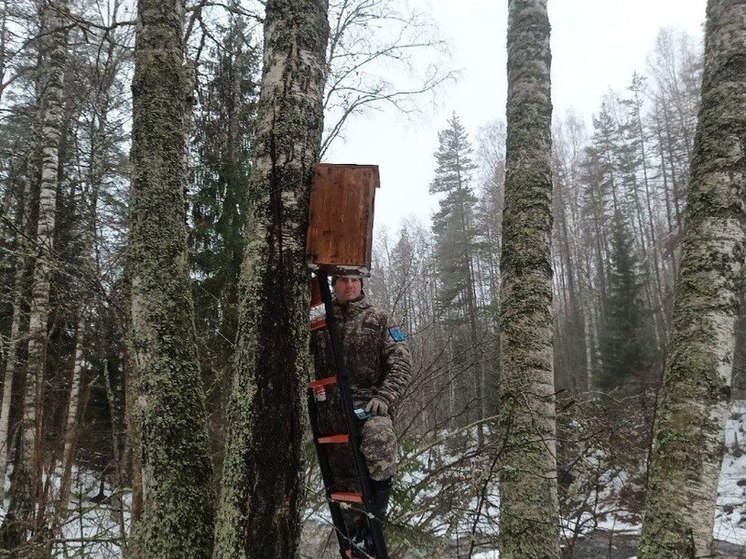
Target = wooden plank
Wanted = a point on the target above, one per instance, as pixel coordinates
(340, 230)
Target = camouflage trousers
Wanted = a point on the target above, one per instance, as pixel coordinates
(378, 447)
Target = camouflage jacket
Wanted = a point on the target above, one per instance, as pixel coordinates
(375, 351)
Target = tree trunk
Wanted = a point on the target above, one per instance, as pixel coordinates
(71, 421)
(133, 446)
(529, 511)
(261, 483)
(687, 451)
(16, 334)
(178, 510)
(26, 487)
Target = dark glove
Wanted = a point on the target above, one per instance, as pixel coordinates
(377, 406)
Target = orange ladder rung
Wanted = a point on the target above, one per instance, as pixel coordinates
(318, 383)
(346, 497)
(334, 439)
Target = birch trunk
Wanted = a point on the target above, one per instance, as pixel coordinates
(71, 422)
(687, 451)
(16, 335)
(529, 510)
(178, 497)
(10, 373)
(26, 484)
(261, 488)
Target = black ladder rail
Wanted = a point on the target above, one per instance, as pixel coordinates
(361, 469)
(327, 476)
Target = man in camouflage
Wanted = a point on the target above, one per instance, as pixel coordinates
(379, 367)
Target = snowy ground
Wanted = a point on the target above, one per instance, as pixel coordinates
(95, 529)
(614, 535)
(730, 518)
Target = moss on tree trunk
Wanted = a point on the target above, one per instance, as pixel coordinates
(261, 484)
(529, 511)
(178, 515)
(687, 450)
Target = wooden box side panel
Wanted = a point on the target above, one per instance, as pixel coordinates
(340, 231)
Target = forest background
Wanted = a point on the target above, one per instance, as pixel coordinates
(619, 196)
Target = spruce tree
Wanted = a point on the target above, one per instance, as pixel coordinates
(453, 224)
(624, 344)
(220, 177)
(219, 199)
(456, 243)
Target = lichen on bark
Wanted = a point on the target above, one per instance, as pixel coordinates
(178, 510)
(687, 450)
(261, 483)
(529, 510)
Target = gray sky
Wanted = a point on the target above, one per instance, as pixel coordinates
(596, 46)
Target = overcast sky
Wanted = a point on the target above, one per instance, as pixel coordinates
(596, 46)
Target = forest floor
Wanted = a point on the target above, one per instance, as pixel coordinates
(594, 545)
(605, 545)
(95, 531)
(615, 537)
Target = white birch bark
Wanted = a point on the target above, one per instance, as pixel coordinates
(261, 488)
(529, 510)
(26, 486)
(16, 338)
(11, 369)
(71, 422)
(688, 446)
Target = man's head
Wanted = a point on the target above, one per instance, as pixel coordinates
(347, 288)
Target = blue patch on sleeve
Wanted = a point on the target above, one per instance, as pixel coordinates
(396, 334)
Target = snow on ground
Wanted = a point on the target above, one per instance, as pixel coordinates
(106, 521)
(487, 555)
(730, 517)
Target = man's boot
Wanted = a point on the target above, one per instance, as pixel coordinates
(381, 494)
(358, 534)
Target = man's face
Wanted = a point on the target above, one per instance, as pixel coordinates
(347, 289)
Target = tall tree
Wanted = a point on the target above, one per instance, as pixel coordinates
(687, 451)
(624, 344)
(574, 257)
(218, 204)
(529, 511)
(639, 138)
(261, 485)
(26, 506)
(454, 224)
(178, 498)
(456, 243)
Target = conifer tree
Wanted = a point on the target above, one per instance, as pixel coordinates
(456, 244)
(220, 175)
(624, 345)
(454, 224)
(219, 202)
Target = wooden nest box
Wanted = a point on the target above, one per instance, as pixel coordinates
(340, 221)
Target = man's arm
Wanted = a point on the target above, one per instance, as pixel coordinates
(397, 365)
